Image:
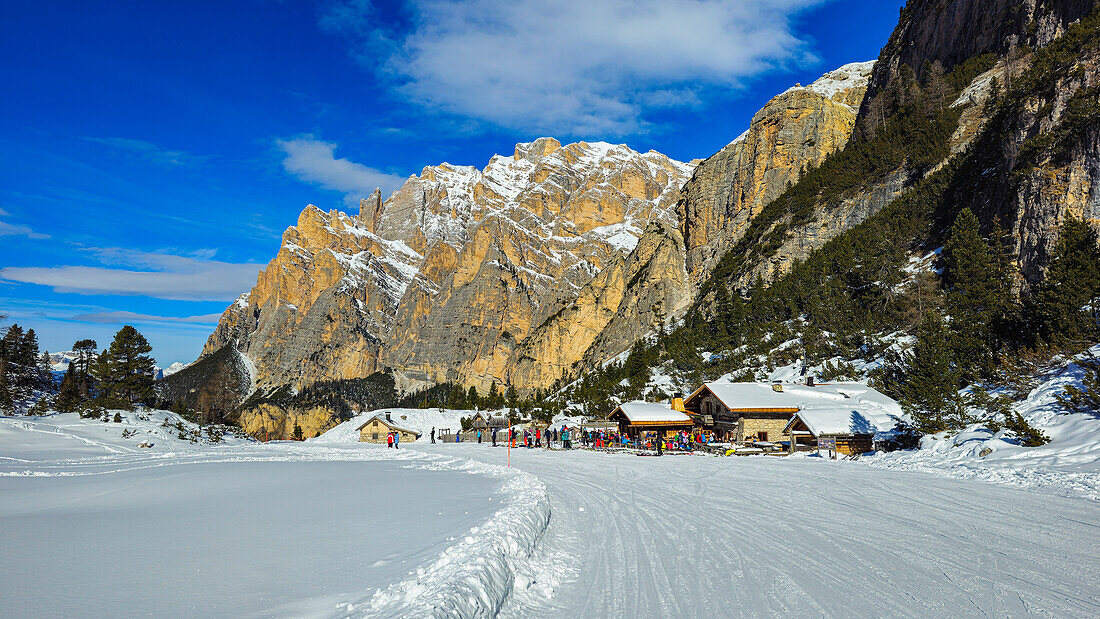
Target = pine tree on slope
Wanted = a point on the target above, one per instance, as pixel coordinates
(1072, 282)
(930, 389)
(69, 397)
(971, 300)
(125, 370)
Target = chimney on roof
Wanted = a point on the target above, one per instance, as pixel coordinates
(388, 418)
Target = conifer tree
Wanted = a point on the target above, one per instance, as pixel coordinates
(69, 396)
(125, 370)
(5, 388)
(28, 350)
(990, 106)
(1006, 279)
(1086, 398)
(969, 279)
(45, 372)
(929, 392)
(298, 436)
(85, 354)
(1072, 283)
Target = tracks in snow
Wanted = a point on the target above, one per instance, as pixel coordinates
(699, 536)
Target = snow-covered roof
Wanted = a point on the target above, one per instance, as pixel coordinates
(741, 396)
(831, 421)
(648, 412)
(392, 425)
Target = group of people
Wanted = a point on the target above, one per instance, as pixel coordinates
(657, 441)
(393, 439)
(588, 439)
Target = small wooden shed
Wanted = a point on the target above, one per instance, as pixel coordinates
(637, 417)
(377, 428)
(844, 430)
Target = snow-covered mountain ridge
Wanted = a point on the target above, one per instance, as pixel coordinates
(445, 278)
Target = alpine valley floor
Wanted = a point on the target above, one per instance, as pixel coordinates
(91, 526)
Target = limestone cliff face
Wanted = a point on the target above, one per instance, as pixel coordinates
(630, 298)
(446, 278)
(1040, 163)
(1036, 163)
(951, 31)
(796, 129)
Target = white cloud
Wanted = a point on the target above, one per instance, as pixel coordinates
(7, 229)
(148, 151)
(158, 275)
(121, 317)
(573, 66)
(315, 161)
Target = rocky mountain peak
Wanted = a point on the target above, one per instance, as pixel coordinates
(448, 275)
(370, 209)
(533, 151)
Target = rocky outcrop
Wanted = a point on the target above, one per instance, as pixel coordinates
(1039, 162)
(271, 422)
(446, 278)
(796, 130)
(952, 31)
(213, 385)
(635, 295)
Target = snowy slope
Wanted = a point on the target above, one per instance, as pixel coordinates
(182, 517)
(447, 530)
(1069, 463)
(761, 536)
(65, 435)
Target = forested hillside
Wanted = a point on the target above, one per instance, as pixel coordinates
(980, 285)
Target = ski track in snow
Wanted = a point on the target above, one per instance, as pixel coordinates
(707, 536)
(596, 534)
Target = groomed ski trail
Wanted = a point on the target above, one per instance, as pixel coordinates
(718, 537)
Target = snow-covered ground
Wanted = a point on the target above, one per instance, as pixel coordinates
(1069, 464)
(93, 525)
(96, 526)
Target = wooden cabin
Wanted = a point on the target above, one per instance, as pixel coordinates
(376, 429)
(843, 430)
(634, 418)
(745, 412)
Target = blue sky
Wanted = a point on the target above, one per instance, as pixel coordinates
(152, 153)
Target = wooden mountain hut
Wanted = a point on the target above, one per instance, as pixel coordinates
(637, 417)
(745, 412)
(378, 427)
(842, 430)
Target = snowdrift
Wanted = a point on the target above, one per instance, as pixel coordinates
(475, 576)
